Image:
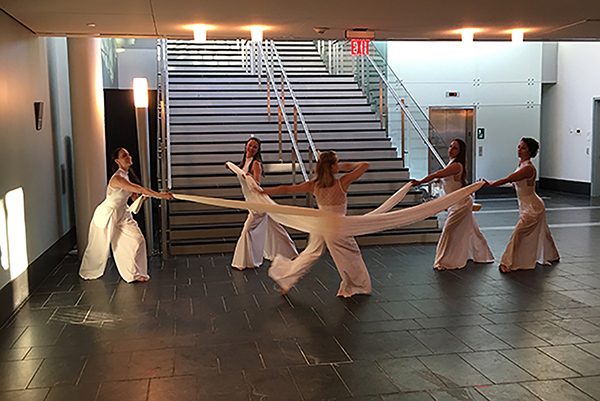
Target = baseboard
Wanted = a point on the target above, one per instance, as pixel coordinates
(573, 187)
(36, 272)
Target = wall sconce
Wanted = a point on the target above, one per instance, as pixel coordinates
(38, 110)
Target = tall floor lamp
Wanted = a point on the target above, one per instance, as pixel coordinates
(140, 96)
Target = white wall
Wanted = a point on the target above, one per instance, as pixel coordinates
(502, 80)
(567, 106)
(134, 63)
(26, 155)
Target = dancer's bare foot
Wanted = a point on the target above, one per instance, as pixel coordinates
(504, 269)
(142, 279)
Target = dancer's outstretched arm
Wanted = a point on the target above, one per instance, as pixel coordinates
(449, 170)
(121, 182)
(306, 186)
(524, 172)
(356, 170)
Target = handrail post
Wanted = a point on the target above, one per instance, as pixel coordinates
(268, 101)
(402, 135)
(381, 102)
(279, 135)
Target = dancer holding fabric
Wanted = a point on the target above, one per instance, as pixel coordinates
(531, 241)
(461, 239)
(113, 226)
(330, 193)
(261, 236)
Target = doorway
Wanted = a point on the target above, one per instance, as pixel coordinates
(595, 147)
(451, 123)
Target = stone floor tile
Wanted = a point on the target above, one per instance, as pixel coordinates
(129, 390)
(507, 392)
(538, 364)
(38, 394)
(453, 371)
(496, 367)
(589, 385)
(580, 361)
(365, 378)
(556, 390)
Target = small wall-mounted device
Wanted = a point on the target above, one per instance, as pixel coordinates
(38, 110)
(452, 94)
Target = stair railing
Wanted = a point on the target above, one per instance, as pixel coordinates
(164, 150)
(257, 63)
(275, 59)
(403, 118)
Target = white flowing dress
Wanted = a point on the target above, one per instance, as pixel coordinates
(113, 226)
(461, 239)
(261, 237)
(343, 249)
(531, 241)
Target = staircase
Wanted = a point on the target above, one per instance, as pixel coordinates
(215, 105)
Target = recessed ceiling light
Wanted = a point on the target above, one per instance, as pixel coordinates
(91, 25)
(517, 35)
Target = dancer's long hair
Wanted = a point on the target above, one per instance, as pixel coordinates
(461, 158)
(257, 156)
(532, 146)
(325, 177)
(132, 175)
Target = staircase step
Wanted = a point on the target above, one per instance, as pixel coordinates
(215, 105)
(343, 154)
(233, 110)
(203, 168)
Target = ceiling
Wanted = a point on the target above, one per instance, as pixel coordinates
(296, 19)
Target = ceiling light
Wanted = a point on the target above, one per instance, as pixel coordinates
(120, 50)
(467, 35)
(256, 33)
(91, 25)
(200, 33)
(517, 35)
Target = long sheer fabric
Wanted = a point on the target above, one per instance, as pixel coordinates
(531, 241)
(324, 222)
(113, 226)
(261, 237)
(461, 239)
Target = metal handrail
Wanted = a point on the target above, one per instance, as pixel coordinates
(271, 79)
(407, 112)
(311, 144)
(164, 135)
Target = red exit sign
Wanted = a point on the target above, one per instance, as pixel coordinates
(359, 47)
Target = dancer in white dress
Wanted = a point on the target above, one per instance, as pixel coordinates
(531, 241)
(330, 193)
(112, 226)
(261, 235)
(461, 239)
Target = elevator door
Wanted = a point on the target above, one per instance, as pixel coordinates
(451, 123)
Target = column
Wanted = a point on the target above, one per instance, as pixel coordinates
(87, 115)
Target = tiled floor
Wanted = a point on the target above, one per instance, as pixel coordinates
(201, 331)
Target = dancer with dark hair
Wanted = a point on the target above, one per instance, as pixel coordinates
(461, 239)
(330, 193)
(113, 226)
(531, 241)
(261, 237)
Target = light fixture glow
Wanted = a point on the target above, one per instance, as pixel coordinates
(3, 237)
(256, 33)
(120, 50)
(200, 33)
(467, 35)
(17, 237)
(140, 92)
(517, 35)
